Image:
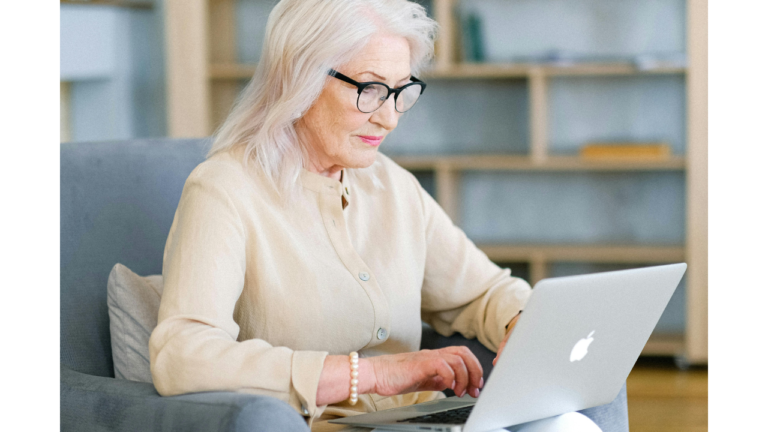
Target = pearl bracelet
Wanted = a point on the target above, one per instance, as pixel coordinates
(354, 364)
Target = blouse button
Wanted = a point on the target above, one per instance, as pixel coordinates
(364, 276)
(382, 333)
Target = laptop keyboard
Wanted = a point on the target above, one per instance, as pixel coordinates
(454, 416)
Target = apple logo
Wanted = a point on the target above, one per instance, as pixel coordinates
(580, 349)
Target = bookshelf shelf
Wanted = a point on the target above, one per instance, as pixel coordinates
(528, 163)
(520, 70)
(203, 82)
(238, 71)
(541, 257)
(613, 254)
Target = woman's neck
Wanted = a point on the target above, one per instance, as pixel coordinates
(333, 172)
(314, 162)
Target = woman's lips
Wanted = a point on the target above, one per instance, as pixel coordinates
(371, 140)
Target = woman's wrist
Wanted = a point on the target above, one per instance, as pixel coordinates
(366, 377)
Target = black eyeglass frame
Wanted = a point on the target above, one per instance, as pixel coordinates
(362, 85)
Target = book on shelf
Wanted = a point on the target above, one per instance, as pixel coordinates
(649, 62)
(625, 150)
(472, 47)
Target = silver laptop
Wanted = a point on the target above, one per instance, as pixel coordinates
(572, 349)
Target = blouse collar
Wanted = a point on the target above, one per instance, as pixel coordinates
(327, 185)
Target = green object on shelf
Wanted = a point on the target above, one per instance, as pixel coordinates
(474, 49)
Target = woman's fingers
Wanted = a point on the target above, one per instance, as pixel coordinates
(442, 369)
(453, 367)
(435, 384)
(474, 368)
(460, 370)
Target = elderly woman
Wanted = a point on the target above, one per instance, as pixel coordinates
(297, 243)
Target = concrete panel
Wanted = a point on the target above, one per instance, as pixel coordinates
(624, 108)
(556, 208)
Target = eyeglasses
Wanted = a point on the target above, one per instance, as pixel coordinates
(372, 95)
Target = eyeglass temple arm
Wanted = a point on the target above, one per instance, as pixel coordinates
(423, 84)
(343, 77)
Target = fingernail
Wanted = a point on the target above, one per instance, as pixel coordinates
(481, 382)
(476, 393)
(463, 393)
(453, 385)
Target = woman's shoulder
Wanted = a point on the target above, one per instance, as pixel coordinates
(224, 171)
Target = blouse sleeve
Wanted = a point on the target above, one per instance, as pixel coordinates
(463, 290)
(194, 348)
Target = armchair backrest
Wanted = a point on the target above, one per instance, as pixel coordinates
(117, 205)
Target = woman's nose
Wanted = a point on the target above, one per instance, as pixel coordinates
(386, 116)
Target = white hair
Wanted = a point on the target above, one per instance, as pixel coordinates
(304, 39)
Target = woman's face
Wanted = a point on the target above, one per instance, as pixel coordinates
(335, 132)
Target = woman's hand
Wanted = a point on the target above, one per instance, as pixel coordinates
(453, 367)
(503, 343)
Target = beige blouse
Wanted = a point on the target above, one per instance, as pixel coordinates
(257, 294)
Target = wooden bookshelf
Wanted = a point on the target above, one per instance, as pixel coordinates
(204, 77)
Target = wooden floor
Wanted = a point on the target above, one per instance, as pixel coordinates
(662, 398)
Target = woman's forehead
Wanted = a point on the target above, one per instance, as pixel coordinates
(383, 57)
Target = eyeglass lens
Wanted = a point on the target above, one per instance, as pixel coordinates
(374, 95)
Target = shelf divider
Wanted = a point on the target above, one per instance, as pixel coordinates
(539, 267)
(222, 49)
(697, 332)
(445, 46)
(447, 181)
(537, 101)
(188, 93)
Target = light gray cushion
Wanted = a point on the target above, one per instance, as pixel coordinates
(133, 303)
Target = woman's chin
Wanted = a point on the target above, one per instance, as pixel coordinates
(364, 159)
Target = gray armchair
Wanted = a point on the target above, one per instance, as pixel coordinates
(117, 204)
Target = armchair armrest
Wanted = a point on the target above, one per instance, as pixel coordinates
(611, 417)
(93, 403)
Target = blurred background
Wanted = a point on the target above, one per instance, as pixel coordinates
(564, 136)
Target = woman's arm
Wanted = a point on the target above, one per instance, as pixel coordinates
(335, 380)
(463, 291)
(388, 375)
(194, 346)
